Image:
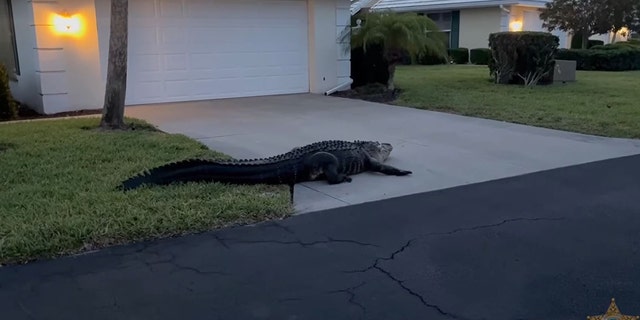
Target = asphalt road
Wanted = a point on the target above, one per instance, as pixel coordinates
(557, 244)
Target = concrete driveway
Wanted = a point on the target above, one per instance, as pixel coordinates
(442, 150)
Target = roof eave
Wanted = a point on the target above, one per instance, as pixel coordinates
(462, 5)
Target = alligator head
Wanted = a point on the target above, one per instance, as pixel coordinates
(377, 150)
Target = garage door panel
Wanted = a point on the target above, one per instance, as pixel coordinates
(171, 8)
(146, 38)
(200, 49)
(144, 63)
(178, 88)
(173, 38)
(142, 10)
(176, 62)
(146, 90)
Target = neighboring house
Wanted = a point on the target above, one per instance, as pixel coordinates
(179, 50)
(361, 5)
(468, 23)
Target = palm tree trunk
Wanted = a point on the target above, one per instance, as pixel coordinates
(115, 91)
(392, 74)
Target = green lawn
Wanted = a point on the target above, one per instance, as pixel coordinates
(58, 196)
(599, 103)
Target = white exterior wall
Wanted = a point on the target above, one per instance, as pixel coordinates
(26, 88)
(530, 18)
(329, 66)
(57, 72)
(343, 23)
(65, 73)
(476, 24)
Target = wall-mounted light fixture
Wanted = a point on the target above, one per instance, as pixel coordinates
(67, 24)
(515, 25)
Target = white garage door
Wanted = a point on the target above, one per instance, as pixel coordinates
(181, 50)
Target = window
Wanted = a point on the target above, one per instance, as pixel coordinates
(443, 20)
(8, 50)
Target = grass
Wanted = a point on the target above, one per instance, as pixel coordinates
(598, 103)
(58, 196)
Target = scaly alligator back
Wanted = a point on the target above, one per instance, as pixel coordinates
(284, 171)
(332, 160)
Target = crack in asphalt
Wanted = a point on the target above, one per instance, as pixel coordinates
(274, 224)
(375, 265)
(401, 283)
(302, 243)
(352, 296)
(220, 241)
(26, 310)
(487, 226)
(179, 267)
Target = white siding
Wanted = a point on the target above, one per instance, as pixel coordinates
(476, 25)
(530, 18)
(62, 73)
(343, 20)
(330, 66)
(27, 87)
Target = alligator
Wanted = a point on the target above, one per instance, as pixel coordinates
(330, 160)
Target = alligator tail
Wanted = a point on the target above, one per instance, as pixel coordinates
(198, 170)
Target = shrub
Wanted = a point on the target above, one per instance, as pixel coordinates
(611, 59)
(592, 43)
(480, 56)
(576, 42)
(616, 46)
(630, 43)
(459, 55)
(431, 59)
(8, 106)
(369, 67)
(525, 57)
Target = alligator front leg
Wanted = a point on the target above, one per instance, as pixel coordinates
(328, 163)
(387, 169)
(333, 176)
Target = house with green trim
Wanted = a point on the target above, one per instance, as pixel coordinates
(468, 23)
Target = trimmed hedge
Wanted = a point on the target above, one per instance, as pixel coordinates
(523, 54)
(431, 59)
(459, 55)
(607, 58)
(480, 56)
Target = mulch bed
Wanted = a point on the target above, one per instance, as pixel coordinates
(371, 92)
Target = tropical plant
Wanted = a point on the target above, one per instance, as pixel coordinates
(398, 34)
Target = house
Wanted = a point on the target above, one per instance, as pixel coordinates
(468, 23)
(178, 50)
